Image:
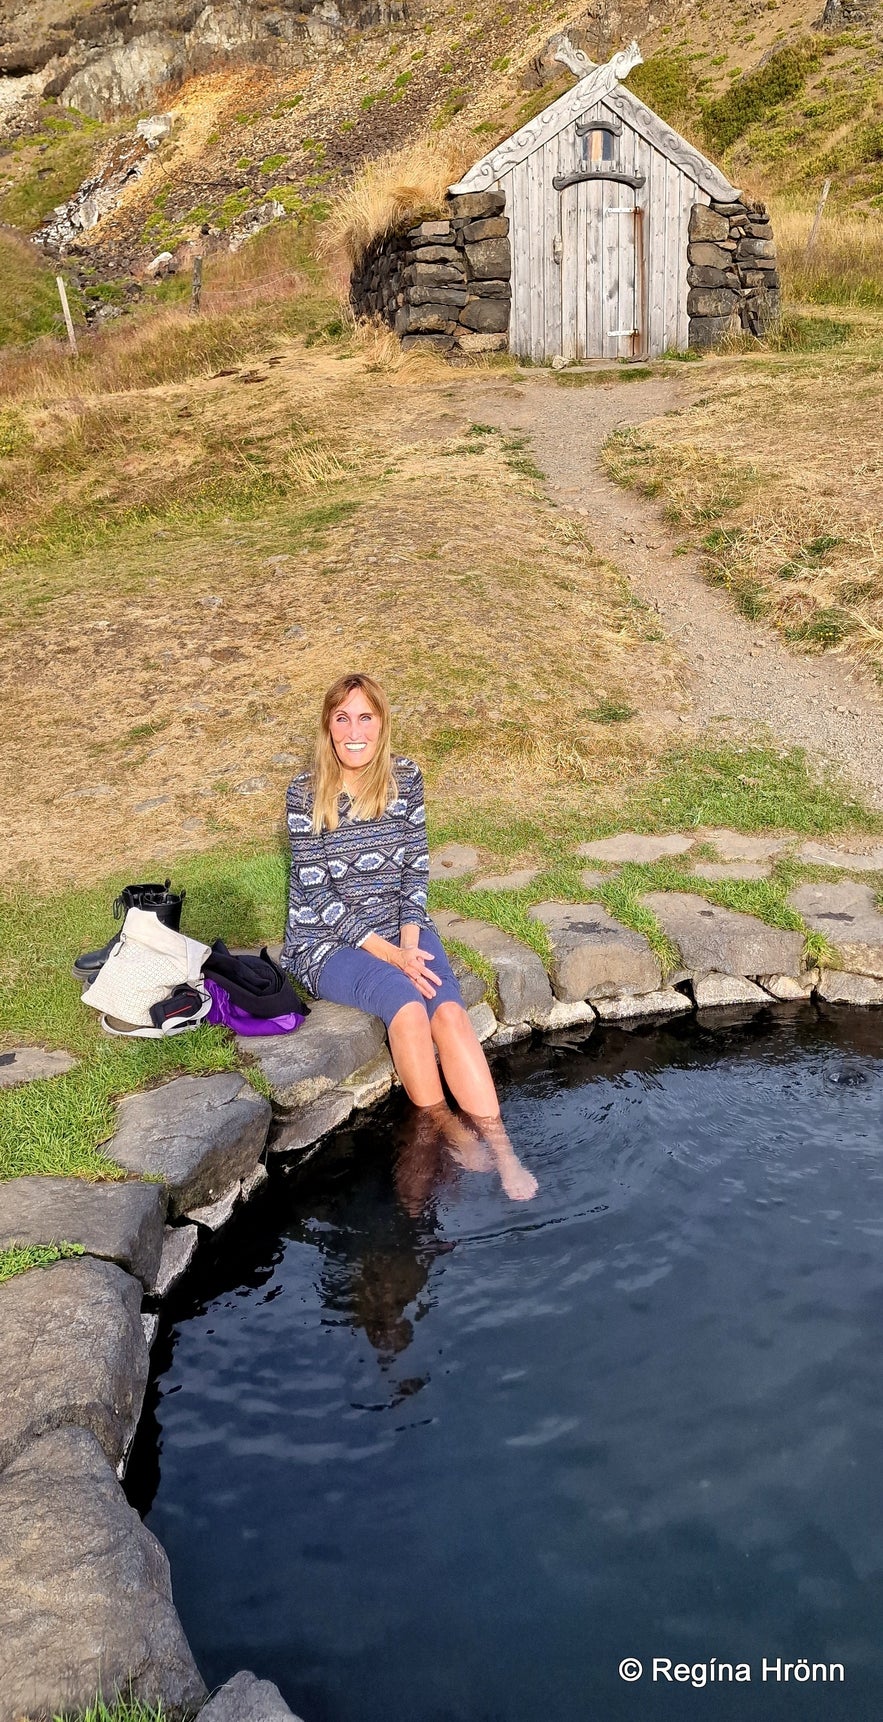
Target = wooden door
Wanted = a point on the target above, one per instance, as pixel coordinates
(602, 268)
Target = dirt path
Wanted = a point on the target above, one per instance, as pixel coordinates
(743, 676)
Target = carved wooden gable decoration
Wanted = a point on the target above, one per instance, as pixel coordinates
(599, 192)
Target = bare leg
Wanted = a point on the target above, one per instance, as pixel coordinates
(468, 1076)
(413, 1054)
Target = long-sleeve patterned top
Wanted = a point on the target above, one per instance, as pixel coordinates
(368, 876)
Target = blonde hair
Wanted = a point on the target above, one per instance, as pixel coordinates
(377, 783)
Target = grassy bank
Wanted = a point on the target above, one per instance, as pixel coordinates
(58, 1126)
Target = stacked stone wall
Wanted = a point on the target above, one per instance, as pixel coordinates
(732, 275)
(444, 284)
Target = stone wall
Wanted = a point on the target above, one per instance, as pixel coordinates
(732, 274)
(446, 283)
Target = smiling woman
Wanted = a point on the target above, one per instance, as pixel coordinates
(358, 932)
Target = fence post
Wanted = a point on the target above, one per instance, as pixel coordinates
(818, 217)
(72, 339)
(196, 287)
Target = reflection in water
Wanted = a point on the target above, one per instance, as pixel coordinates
(418, 1451)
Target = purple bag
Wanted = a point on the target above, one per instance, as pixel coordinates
(231, 1015)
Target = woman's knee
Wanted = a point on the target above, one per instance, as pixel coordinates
(451, 1018)
(411, 1019)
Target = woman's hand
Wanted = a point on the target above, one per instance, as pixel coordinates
(413, 962)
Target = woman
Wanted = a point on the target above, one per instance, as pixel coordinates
(358, 932)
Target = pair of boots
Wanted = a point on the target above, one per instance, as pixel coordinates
(159, 899)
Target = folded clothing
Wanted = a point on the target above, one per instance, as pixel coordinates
(256, 985)
(232, 1015)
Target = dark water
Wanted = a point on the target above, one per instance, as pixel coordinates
(453, 1464)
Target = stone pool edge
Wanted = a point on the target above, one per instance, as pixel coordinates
(196, 1147)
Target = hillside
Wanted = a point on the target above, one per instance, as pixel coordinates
(781, 101)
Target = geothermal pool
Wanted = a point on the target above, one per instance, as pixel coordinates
(420, 1454)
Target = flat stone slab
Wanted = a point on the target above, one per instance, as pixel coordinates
(848, 916)
(31, 1063)
(592, 880)
(453, 861)
(85, 1591)
(733, 869)
(522, 983)
(199, 1134)
(516, 881)
(304, 1125)
(634, 846)
(723, 941)
(593, 956)
(713, 991)
(742, 846)
(72, 1351)
(851, 860)
(247, 1699)
(120, 1222)
(335, 1041)
(837, 987)
(666, 1001)
(179, 1248)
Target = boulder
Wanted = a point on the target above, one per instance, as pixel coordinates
(420, 274)
(304, 1125)
(434, 318)
(433, 294)
(120, 1222)
(706, 224)
(756, 248)
(472, 987)
(247, 1699)
(522, 983)
(508, 1034)
(664, 1002)
(440, 254)
(251, 1186)
(334, 1041)
(700, 276)
(712, 991)
(788, 991)
(470, 341)
(705, 332)
(72, 1351)
(32, 1064)
(179, 1248)
(848, 916)
(724, 941)
(838, 988)
(577, 1014)
(475, 205)
(486, 316)
(199, 1134)
(429, 232)
(489, 259)
(85, 1592)
(483, 1020)
(593, 956)
(372, 1082)
(632, 846)
(216, 1214)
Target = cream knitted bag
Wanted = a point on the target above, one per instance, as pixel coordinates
(148, 961)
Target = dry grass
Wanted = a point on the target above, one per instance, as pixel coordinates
(395, 190)
(175, 666)
(777, 473)
(845, 266)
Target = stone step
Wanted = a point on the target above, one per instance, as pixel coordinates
(32, 1064)
(724, 941)
(848, 916)
(593, 956)
(522, 983)
(333, 1043)
(199, 1134)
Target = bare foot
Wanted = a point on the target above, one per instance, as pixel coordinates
(519, 1184)
(462, 1143)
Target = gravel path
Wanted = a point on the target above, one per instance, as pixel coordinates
(743, 676)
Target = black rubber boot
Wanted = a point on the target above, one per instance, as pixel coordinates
(159, 899)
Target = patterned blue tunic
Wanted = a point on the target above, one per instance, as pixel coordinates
(368, 876)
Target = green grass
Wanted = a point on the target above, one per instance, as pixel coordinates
(126, 1708)
(29, 302)
(51, 165)
(20, 1258)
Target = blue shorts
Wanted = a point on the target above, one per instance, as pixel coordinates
(354, 977)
